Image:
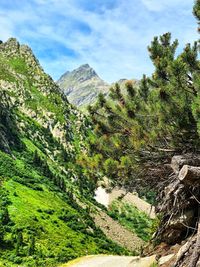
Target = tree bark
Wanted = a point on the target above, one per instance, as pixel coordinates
(189, 174)
(196, 252)
(179, 161)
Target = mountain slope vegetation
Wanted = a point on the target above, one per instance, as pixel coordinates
(137, 134)
(52, 155)
(45, 195)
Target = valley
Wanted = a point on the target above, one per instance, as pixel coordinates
(99, 174)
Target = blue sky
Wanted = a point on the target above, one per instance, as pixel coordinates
(111, 35)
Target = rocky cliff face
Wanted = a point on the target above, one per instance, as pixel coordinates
(82, 86)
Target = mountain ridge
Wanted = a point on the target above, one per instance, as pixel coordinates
(82, 85)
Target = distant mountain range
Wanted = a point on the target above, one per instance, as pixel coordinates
(83, 85)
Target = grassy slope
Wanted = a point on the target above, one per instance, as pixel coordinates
(40, 192)
(62, 229)
(43, 210)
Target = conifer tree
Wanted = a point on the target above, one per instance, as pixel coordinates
(173, 80)
(2, 232)
(144, 88)
(36, 158)
(19, 242)
(196, 11)
(31, 246)
(161, 114)
(5, 218)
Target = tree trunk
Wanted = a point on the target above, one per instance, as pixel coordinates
(189, 174)
(178, 161)
(196, 252)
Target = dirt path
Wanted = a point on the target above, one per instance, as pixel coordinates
(111, 261)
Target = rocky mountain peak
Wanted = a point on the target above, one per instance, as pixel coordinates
(13, 49)
(11, 45)
(82, 73)
(86, 68)
(85, 72)
(82, 85)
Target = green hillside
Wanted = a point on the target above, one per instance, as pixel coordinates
(139, 136)
(45, 196)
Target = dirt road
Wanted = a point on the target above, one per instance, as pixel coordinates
(111, 261)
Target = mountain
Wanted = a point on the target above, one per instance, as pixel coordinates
(82, 85)
(47, 210)
(48, 175)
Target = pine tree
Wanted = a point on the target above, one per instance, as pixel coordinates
(196, 11)
(144, 88)
(161, 114)
(19, 242)
(31, 246)
(36, 158)
(173, 80)
(2, 232)
(5, 218)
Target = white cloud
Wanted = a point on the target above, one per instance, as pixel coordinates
(159, 5)
(116, 44)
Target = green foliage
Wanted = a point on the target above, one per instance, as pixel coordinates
(4, 214)
(2, 232)
(31, 247)
(5, 74)
(196, 11)
(162, 115)
(19, 242)
(144, 88)
(39, 102)
(40, 208)
(9, 136)
(110, 166)
(19, 65)
(43, 219)
(133, 219)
